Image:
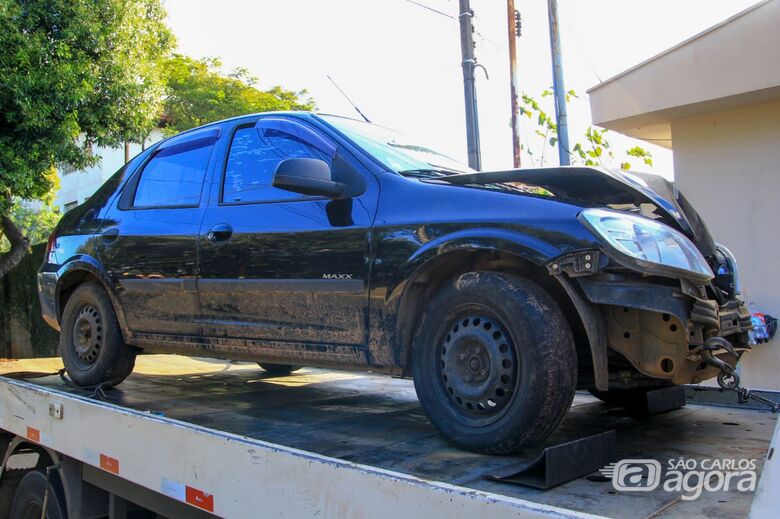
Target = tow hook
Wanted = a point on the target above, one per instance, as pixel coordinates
(728, 378)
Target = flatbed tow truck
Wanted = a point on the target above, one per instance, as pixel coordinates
(186, 437)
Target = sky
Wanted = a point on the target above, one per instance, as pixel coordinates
(400, 63)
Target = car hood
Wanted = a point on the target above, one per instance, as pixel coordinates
(600, 187)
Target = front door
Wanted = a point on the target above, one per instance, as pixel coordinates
(148, 242)
(285, 270)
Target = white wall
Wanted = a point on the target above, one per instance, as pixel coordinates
(728, 165)
(77, 186)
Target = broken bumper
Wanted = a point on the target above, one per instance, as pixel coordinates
(659, 328)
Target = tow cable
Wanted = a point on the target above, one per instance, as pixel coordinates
(728, 379)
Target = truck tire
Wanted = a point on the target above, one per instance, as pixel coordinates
(8, 485)
(494, 363)
(28, 498)
(279, 369)
(91, 343)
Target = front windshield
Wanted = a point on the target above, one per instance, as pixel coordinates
(393, 150)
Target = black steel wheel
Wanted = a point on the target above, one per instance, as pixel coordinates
(478, 367)
(91, 343)
(494, 362)
(87, 335)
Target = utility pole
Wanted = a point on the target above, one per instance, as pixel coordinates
(558, 88)
(513, 22)
(469, 88)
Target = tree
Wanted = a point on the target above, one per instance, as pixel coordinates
(73, 73)
(34, 222)
(596, 150)
(198, 92)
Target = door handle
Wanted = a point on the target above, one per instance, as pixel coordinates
(110, 235)
(220, 233)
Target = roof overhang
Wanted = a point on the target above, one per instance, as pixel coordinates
(733, 64)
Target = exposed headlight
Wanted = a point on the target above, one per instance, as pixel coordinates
(647, 245)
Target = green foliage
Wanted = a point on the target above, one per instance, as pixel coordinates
(595, 150)
(198, 92)
(70, 69)
(37, 223)
(73, 73)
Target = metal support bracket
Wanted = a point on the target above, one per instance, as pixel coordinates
(664, 399)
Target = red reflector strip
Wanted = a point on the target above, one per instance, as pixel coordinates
(200, 499)
(34, 435)
(109, 464)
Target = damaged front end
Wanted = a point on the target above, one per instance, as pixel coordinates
(654, 329)
(657, 292)
(663, 288)
(664, 300)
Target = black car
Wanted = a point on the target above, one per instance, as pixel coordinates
(295, 239)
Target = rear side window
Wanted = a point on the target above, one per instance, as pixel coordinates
(174, 176)
(252, 162)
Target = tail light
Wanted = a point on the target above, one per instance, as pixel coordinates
(51, 248)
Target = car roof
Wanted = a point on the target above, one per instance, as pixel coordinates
(293, 113)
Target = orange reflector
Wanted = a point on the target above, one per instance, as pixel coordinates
(33, 434)
(200, 499)
(109, 464)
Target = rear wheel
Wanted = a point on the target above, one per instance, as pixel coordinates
(91, 343)
(494, 362)
(279, 369)
(28, 498)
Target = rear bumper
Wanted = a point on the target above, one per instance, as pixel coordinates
(47, 293)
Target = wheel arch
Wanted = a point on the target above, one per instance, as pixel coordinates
(18, 445)
(454, 260)
(81, 271)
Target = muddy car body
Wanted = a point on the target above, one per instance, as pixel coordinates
(293, 239)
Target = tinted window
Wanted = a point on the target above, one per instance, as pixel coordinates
(253, 159)
(174, 176)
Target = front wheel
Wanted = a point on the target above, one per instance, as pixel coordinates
(91, 343)
(494, 363)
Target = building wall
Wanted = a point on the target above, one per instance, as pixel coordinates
(728, 165)
(77, 186)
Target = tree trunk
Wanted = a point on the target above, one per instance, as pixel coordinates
(19, 245)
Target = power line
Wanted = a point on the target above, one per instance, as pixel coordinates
(431, 9)
(451, 17)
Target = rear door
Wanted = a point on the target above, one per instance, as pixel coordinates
(284, 268)
(148, 242)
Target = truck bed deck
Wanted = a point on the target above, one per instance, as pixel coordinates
(377, 421)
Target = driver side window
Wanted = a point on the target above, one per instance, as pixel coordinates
(253, 157)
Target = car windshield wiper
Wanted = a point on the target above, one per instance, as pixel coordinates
(428, 172)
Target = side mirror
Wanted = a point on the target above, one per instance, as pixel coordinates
(308, 177)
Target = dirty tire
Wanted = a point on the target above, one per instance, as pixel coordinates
(28, 498)
(279, 369)
(494, 362)
(91, 343)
